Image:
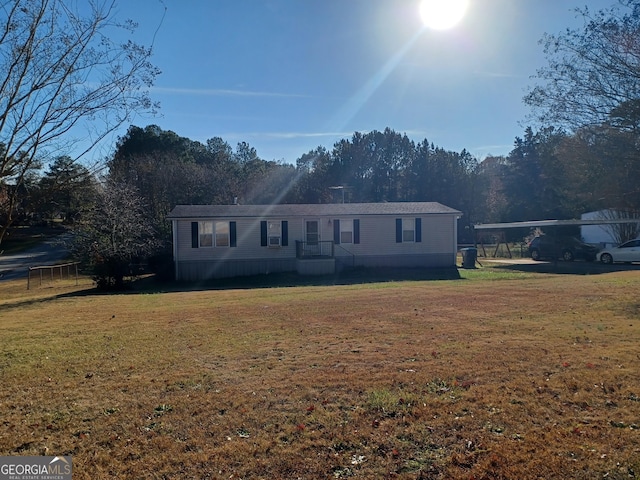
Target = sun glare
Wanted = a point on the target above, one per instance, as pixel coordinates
(442, 14)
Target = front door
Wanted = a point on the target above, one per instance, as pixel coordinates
(312, 237)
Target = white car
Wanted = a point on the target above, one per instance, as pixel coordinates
(626, 252)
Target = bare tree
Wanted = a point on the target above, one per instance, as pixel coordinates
(114, 233)
(65, 84)
(627, 229)
(593, 74)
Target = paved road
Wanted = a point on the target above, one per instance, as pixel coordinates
(50, 252)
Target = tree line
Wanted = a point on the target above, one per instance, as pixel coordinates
(547, 174)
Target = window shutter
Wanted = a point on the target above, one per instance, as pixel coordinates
(285, 233)
(356, 231)
(336, 232)
(194, 235)
(232, 234)
(398, 230)
(263, 233)
(418, 229)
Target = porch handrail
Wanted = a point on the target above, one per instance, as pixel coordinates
(319, 249)
(349, 255)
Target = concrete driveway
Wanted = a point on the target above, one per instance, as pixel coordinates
(49, 252)
(559, 267)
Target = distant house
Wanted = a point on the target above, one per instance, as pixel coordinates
(217, 241)
(604, 234)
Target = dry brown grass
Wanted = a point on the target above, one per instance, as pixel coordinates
(531, 376)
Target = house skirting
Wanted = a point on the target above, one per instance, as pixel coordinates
(430, 260)
(316, 266)
(204, 270)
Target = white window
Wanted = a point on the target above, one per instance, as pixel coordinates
(274, 234)
(222, 234)
(205, 234)
(408, 230)
(346, 231)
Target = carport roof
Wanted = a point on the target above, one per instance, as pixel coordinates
(551, 223)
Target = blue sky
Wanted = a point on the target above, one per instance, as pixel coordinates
(289, 75)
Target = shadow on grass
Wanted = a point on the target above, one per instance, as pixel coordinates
(567, 268)
(359, 276)
(355, 276)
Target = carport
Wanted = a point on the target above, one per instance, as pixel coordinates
(550, 225)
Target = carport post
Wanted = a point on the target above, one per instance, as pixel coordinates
(556, 255)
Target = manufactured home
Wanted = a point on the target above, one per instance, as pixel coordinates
(217, 241)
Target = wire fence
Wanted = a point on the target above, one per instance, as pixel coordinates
(53, 272)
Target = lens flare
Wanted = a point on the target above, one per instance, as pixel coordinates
(442, 14)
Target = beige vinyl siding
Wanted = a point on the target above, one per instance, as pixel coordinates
(247, 258)
(247, 241)
(377, 236)
(377, 247)
(439, 232)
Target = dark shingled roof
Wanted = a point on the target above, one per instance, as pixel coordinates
(309, 210)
